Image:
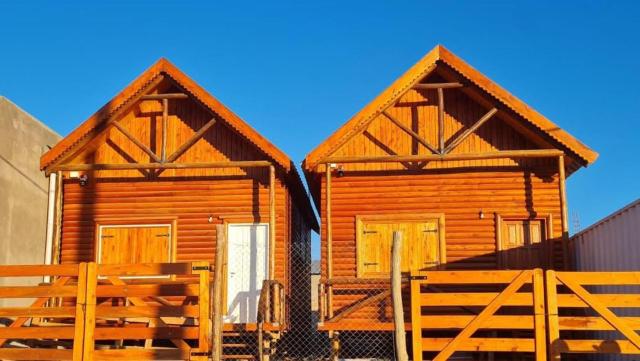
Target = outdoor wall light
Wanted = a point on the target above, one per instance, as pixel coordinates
(481, 214)
(84, 180)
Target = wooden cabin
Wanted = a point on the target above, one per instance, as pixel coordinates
(472, 176)
(152, 176)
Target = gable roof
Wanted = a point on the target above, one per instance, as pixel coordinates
(163, 66)
(414, 75)
(91, 127)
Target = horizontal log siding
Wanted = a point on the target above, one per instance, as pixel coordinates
(191, 201)
(471, 242)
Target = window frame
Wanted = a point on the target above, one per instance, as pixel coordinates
(545, 249)
(360, 220)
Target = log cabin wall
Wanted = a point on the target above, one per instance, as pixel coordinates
(194, 200)
(459, 195)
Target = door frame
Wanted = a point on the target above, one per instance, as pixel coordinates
(399, 218)
(225, 267)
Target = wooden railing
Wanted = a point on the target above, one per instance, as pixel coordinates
(24, 323)
(595, 328)
(110, 312)
(469, 301)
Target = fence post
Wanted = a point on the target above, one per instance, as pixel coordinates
(201, 269)
(81, 294)
(416, 317)
(216, 313)
(553, 328)
(90, 312)
(396, 291)
(539, 315)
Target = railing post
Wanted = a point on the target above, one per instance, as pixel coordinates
(553, 328)
(221, 248)
(396, 292)
(416, 317)
(81, 294)
(90, 311)
(539, 325)
(202, 270)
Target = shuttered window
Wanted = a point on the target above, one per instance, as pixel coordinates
(120, 244)
(522, 243)
(421, 245)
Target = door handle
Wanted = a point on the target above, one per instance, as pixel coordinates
(370, 263)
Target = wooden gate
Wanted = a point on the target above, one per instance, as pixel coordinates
(95, 312)
(573, 332)
(482, 305)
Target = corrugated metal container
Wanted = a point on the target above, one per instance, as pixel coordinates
(612, 244)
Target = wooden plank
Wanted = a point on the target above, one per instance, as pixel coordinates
(68, 270)
(584, 323)
(48, 332)
(329, 240)
(470, 277)
(482, 344)
(145, 269)
(57, 219)
(204, 303)
(413, 134)
(470, 130)
(564, 214)
(141, 333)
(217, 306)
(272, 222)
(164, 96)
(520, 322)
(81, 299)
(527, 153)
(90, 313)
(35, 354)
(396, 291)
(601, 309)
(416, 319)
(104, 311)
(37, 312)
(133, 166)
(604, 278)
(540, 330)
(473, 299)
(611, 300)
(491, 308)
(451, 85)
(142, 354)
(135, 141)
(598, 346)
(145, 290)
(440, 120)
(165, 120)
(37, 291)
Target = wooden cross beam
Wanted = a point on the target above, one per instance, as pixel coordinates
(470, 130)
(413, 134)
(135, 141)
(194, 138)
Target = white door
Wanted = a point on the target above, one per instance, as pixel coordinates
(247, 267)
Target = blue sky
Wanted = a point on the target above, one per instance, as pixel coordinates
(296, 70)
